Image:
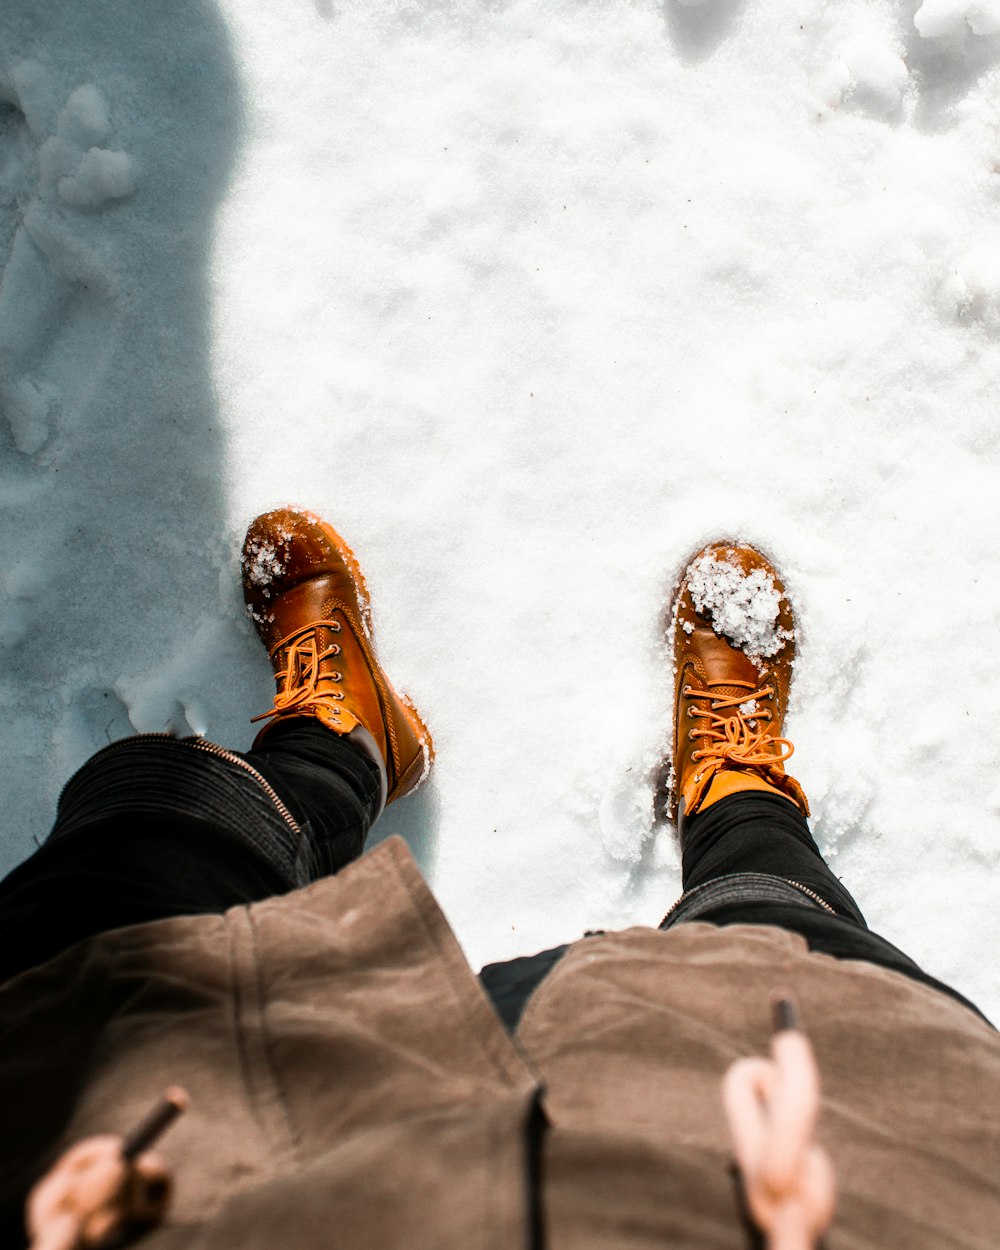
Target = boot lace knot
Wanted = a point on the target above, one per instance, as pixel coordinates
(300, 679)
(734, 728)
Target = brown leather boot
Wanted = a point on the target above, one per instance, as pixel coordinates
(307, 597)
(734, 643)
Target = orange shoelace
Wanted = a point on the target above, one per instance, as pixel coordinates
(298, 681)
(730, 733)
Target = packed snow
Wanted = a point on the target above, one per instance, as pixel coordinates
(743, 606)
(262, 563)
(530, 299)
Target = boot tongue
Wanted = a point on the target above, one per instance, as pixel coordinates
(723, 663)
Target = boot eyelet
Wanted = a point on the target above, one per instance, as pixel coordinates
(335, 676)
(336, 694)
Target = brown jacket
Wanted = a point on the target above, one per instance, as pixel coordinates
(352, 1088)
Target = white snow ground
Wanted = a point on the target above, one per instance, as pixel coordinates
(530, 299)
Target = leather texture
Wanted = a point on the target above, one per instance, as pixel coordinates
(717, 737)
(307, 597)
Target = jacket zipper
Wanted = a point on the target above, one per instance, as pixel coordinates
(210, 748)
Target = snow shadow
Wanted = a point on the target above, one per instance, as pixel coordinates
(119, 129)
(414, 819)
(120, 604)
(945, 74)
(698, 28)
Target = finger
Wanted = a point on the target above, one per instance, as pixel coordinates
(59, 1233)
(819, 1189)
(87, 1153)
(151, 1166)
(101, 1228)
(150, 1189)
(790, 1229)
(82, 1179)
(793, 1110)
(744, 1088)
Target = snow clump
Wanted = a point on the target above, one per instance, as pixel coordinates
(262, 564)
(742, 606)
(100, 176)
(971, 292)
(84, 122)
(866, 75)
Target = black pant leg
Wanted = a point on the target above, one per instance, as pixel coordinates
(757, 832)
(159, 828)
(753, 832)
(331, 786)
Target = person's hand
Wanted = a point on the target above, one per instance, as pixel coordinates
(105, 1190)
(772, 1107)
(94, 1195)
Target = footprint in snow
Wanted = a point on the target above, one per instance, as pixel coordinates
(924, 67)
(698, 27)
(951, 45)
(96, 716)
(58, 168)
